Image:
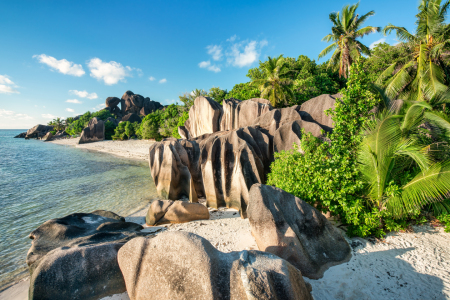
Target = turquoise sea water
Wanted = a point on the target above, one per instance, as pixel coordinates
(40, 181)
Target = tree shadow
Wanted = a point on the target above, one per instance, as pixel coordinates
(377, 275)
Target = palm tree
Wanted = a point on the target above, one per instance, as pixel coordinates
(387, 152)
(424, 77)
(276, 86)
(58, 124)
(344, 33)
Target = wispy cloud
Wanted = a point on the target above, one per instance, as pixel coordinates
(84, 94)
(11, 115)
(245, 53)
(70, 110)
(99, 107)
(207, 65)
(163, 80)
(110, 72)
(382, 40)
(75, 101)
(232, 39)
(4, 112)
(7, 85)
(151, 78)
(63, 65)
(23, 117)
(48, 116)
(215, 51)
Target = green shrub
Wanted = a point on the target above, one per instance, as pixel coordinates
(109, 130)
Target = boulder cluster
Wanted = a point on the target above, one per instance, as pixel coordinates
(226, 149)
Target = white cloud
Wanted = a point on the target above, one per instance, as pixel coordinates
(70, 110)
(151, 78)
(215, 51)
(382, 40)
(232, 39)
(100, 106)
(75, 101)
(23, 117)
(7, 85)
(207, 65)
(48, 116)
(110, 72)
(4, 112)
(163, 80)
(139, 72)
(245, 53)
(63, 66)
(84, 94)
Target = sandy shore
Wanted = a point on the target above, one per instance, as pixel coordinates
(405, 266)
(134, 149)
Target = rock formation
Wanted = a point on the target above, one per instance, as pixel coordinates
(134, 103)
(75, 257)
(168, 211)
(223, 165)
(94, 132)
(38, 131)
(21, 135)
(132, 117)
(292, 229)
(313, 110)
(47, 137)
(204, 117)
(178, 265)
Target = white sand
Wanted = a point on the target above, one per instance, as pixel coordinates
(135, 149)
(404, 266)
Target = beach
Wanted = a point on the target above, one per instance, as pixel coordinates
(409, 265)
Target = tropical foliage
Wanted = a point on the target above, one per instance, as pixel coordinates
(344, 33)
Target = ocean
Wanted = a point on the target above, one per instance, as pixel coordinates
(40, 181)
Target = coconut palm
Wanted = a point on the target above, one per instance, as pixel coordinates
(58, 124)
(275, 86)
(387, 152)
(424, 78)
(344, 33)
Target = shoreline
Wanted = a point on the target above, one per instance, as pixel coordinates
(130, 149)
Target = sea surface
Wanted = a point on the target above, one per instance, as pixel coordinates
(40, 181)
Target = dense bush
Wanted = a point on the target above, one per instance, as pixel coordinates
(109, 130)
(76, 127)
(125, 130)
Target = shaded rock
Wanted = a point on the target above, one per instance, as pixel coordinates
(168, 211)
(204, 117)
(237, 114)
(169, 166)
(47, 137)
(292, 229)
(38, 131)
(229, 119)
(183, 132)
(131, 118)
(112, 102)
(178, 265)
(132, 103)
(21, 135)
(75, 257)
(150, 106)
(94, 132)
(314, 110)
(114, 121)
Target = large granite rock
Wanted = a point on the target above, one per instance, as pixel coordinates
(168, 211)
(237, 114)
(21, 135)
(75, 257)
(292, 229)
(150, 106)
(314, 110)
(177, 265)
(47, 137)
(112, 102)
(204, 117)
(38, 131)
(131, 118)
(183, 132)
(221, 167)
(94, 132)
(137, 104)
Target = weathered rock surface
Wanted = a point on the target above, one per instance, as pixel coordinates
(75, 257)
(135, 103)
(47, 137)
(168, 211)
(292, 229)
(131, 118)
(204, 117)
(314, 110)
(177, 265)
(112, 102)
(183, 132)
(21, 135)
(38, 131)
(94, 132)
(237, 114)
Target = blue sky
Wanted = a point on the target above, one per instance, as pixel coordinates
(62, 58)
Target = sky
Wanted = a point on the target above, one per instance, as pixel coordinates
(63, 58)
